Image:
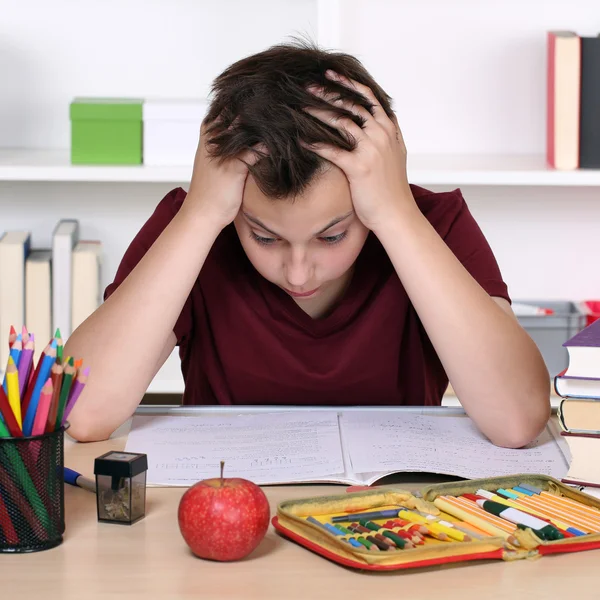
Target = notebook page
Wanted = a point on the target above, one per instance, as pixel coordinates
(383, 443)
(266, 448)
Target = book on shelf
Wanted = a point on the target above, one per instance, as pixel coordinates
(45, 289)
(589, 142)
(573, 98)
(14, 249)
(563, 99)
(38, 297)
(64, 239)
(86, 290)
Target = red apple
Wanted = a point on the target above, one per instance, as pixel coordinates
(223, 518)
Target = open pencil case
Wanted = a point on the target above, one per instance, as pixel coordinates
(291, 522)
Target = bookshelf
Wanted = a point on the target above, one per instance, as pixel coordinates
(481, 170)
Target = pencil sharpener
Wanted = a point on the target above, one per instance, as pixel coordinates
(121, 487)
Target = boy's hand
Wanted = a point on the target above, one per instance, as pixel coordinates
(376, 168)
(217, 187)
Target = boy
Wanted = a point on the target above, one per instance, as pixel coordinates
(302, 268)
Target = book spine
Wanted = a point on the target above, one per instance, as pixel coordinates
(551, 108)
(563, 100)
(589, 141)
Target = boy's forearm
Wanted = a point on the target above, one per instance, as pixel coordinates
(122, 342)
(494, 366)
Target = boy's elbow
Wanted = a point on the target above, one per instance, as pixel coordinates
(521, 430)
(83, 428)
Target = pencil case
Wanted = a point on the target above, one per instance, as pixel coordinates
(291, 522)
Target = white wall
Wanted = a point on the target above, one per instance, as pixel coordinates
(467, 76)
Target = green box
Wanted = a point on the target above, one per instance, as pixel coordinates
(106, 131)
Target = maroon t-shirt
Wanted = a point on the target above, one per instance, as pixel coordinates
(242, 340)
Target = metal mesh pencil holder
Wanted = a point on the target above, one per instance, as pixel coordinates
(32, 508)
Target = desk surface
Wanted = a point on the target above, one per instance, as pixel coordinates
(150, 560)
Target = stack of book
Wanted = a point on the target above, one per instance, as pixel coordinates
(579, 410)
(573, 91)
(52, 288)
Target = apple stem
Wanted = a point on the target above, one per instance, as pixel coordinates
(222, 467)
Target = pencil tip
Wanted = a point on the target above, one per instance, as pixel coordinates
(57, 334)
(13, 331)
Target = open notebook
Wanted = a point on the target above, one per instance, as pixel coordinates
(338, 446)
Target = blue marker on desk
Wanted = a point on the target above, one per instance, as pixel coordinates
(78, 480)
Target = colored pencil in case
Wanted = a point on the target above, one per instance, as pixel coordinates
(10, 422)
(44, 373)
(552, 512)
(379, 514)
(41, 415)
(56, 373)
(560, 504)
(557, 523)
(577, 518)
(25, 364)
(514, 515)
(67, 382)
(573, 503)
(76, 390)
(34, 374)
(449, 505)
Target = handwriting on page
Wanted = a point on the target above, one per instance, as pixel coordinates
(265, 448)
(450, 445)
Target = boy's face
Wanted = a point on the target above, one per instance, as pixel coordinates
(306, 246)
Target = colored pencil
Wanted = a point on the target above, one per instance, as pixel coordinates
(24, 335)
(6, 524)
(25, 364)
(57, 376)
(44, 373)
(41, 414)
(16, 349)
(10, 422)
(76, 390)
(478, 517)
(34, 375)
(12, 382)
(537, 513)
(59, 345)
(591, 510)
(514, 515)
(12, 336)
(36, 517)
(67, 382)
(575, 509)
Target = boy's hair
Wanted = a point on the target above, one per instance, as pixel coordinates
(260, 99)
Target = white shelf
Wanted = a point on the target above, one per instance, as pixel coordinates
(522, 170)
(54, 165)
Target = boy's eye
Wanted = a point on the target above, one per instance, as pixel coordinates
(334, 239)
(265, 241)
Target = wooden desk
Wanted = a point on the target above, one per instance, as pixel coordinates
(150, 560)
